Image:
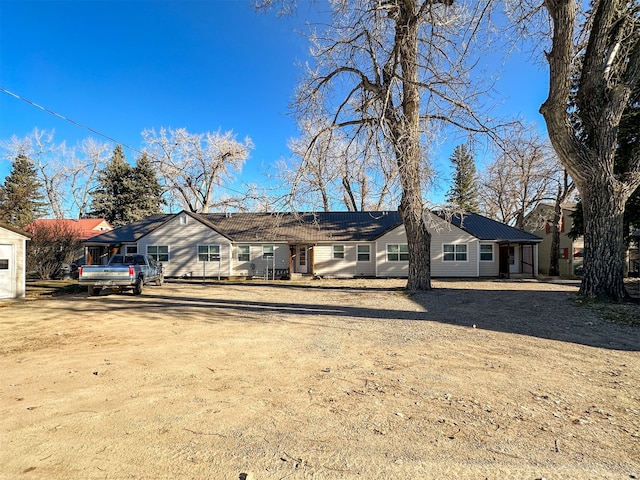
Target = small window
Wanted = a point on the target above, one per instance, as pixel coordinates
(486, 252)
(183, 219)
(398, 252)
(364, 253)
(4, 264)
(338, 251)
(454, 252)
(208, 253)
(267, 251)
(160, 253)
(131, 249)
(244, 253)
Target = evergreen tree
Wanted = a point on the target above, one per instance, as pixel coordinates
(147, 189)
(21, 199)
(463, 194)
(114, 197)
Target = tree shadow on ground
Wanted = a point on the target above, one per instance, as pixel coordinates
(544, 314)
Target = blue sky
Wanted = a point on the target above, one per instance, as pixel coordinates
(120, 67)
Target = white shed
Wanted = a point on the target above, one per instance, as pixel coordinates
(13, 248)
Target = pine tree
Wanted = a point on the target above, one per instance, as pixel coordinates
(114, 198)
(147, 189)
(463, 194)
(21, 199)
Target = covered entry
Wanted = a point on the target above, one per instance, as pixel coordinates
(301, 259)
(517, 259)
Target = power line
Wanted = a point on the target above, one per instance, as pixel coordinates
(66, 119)
(92, 130)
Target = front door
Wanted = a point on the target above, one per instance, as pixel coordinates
(301, 259)
(6, 271)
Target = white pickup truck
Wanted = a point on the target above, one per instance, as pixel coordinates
(123, 272)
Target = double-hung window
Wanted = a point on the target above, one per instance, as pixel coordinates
(208, 253)
(160, 253)
(244, 253)
(338, 251)
(397, 252)
(454, 252)
(486, 252)
(364, 253)
(267, 251)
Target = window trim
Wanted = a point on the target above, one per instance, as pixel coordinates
(265, 255)
(209, 253)
(368, 253)
(455, 252)
(338, 254)
(156, 256)
(493, 257)
(400, 252)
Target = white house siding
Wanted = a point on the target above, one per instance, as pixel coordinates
(386, 268)
(444, 233)
(326, 266)
(489, 268)
(13, 248)
(183, 240)
(257, 265)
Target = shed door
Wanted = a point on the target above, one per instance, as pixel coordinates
(6, 271)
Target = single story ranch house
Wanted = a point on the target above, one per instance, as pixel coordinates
(325, 244)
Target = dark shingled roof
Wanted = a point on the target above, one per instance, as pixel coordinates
(132, 232)
(487, 229)
(310, 227)
(271, 227)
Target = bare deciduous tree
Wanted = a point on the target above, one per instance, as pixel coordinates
(384, 72)
(193, 165)
(594, 69)
(83, 171)
(523, 174)
(49, 159)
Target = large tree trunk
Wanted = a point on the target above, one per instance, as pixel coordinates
(604, 252)
(588, 153)
(406, 132)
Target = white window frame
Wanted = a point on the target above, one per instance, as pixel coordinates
(367, 253)
(402, 251)
(492, 259)
(156, 256)
(247, 253)
(457, 251)
(210, 255)
(268, 254)
(338, 252)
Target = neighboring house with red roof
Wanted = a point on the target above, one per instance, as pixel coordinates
(86, 228)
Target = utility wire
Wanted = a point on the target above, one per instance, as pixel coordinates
(78, 124)
(66, 119)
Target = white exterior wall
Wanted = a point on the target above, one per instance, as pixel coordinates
(257, 265)
(15, 246)
(385, 268)
(183, 240)
(444, 233)
(489, 268)
(326, 266)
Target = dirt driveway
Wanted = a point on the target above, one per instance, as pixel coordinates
(333, 379)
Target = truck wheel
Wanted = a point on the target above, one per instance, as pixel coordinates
(137, 288)
(93, 291)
